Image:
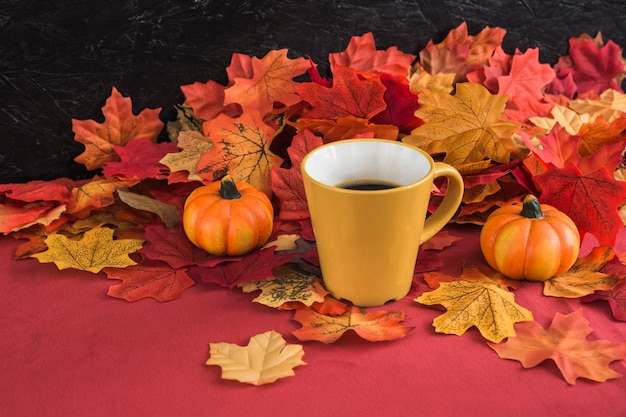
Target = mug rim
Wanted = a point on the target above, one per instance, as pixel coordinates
(341, 142)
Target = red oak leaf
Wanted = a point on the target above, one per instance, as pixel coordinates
(349, 95)
(401, 104)
(55, 190)
(287, 182)
(271, 82)
(255, 266)
(171, 245)
(361, 54)
(140, 159)
(373, 326)
(153, 279)
(594, 68)
(565, 342)
(120, 127)
(590, 200)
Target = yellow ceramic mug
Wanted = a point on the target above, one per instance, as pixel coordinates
(367, 240)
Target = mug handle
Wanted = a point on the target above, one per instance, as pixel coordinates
(450, 203)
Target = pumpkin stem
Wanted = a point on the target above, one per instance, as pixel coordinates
(228, 189)
(531, 207)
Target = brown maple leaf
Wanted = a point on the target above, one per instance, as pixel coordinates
(565, 342)
(120, 126)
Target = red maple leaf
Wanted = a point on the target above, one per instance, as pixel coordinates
(349, 95)
(401, 104)
(616, 296)
(590, 200)
(255, 266)
(37, 190)
(287, 182)
(361, 54)
(594, 68)
(206, 99)
(140, 159)
(172, 246)
(154, 279)
(120, 127)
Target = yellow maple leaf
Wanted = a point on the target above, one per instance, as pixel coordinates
(288, 285)
(611, 104)
(584, 277)
(193, 145)
(465, 126)
(95, 251)
(265, 359)
(480, 303)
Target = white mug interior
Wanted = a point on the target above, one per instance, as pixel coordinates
(363, 159)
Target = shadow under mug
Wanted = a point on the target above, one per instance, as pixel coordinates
(368, 240)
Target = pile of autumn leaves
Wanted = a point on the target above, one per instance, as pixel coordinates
(510, 124)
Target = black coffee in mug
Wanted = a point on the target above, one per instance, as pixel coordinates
(367, 185)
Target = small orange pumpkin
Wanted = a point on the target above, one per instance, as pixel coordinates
(228, 218)
(533, 241)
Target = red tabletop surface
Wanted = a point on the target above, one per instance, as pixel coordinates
(68, 349)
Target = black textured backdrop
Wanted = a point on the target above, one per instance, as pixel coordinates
(59, 59)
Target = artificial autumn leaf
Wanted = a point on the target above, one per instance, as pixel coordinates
(611, 105)
(373, 326)
(465, 126)
(256, 265)
(401, 104)
(139, 159)
(348, 96)
(241, 149)
(265, 359)
(347, 127)
(287, 183)
(598, 134)
(95, 251)
(283, 242)
(95, 194)
(171, 245)
(289, 284)
(441, 240)
(472, 271)
(460, 53)
(361, 54)
(593, 68)
(193, 145)
(120, 126)
(616, 298)
(565, 342)
(584, 277)
(57, 190)
(149, 279)
(206, 99)
(14, 217)
(590, 200)
(168, 213)
(271, 82)
(482, 303)
(527, 76)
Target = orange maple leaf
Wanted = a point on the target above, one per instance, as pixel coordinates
(361, 54)
(95, 194)
(347, 127)
(349, 95)
(120, 127)
(241, 148)
(565, 342)
(270, 82)
(373, 326)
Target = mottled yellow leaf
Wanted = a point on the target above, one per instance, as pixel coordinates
(466, 126)
(289, 284)
(480, 303)
(265, 359)
(193, 145)
(95, 251)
